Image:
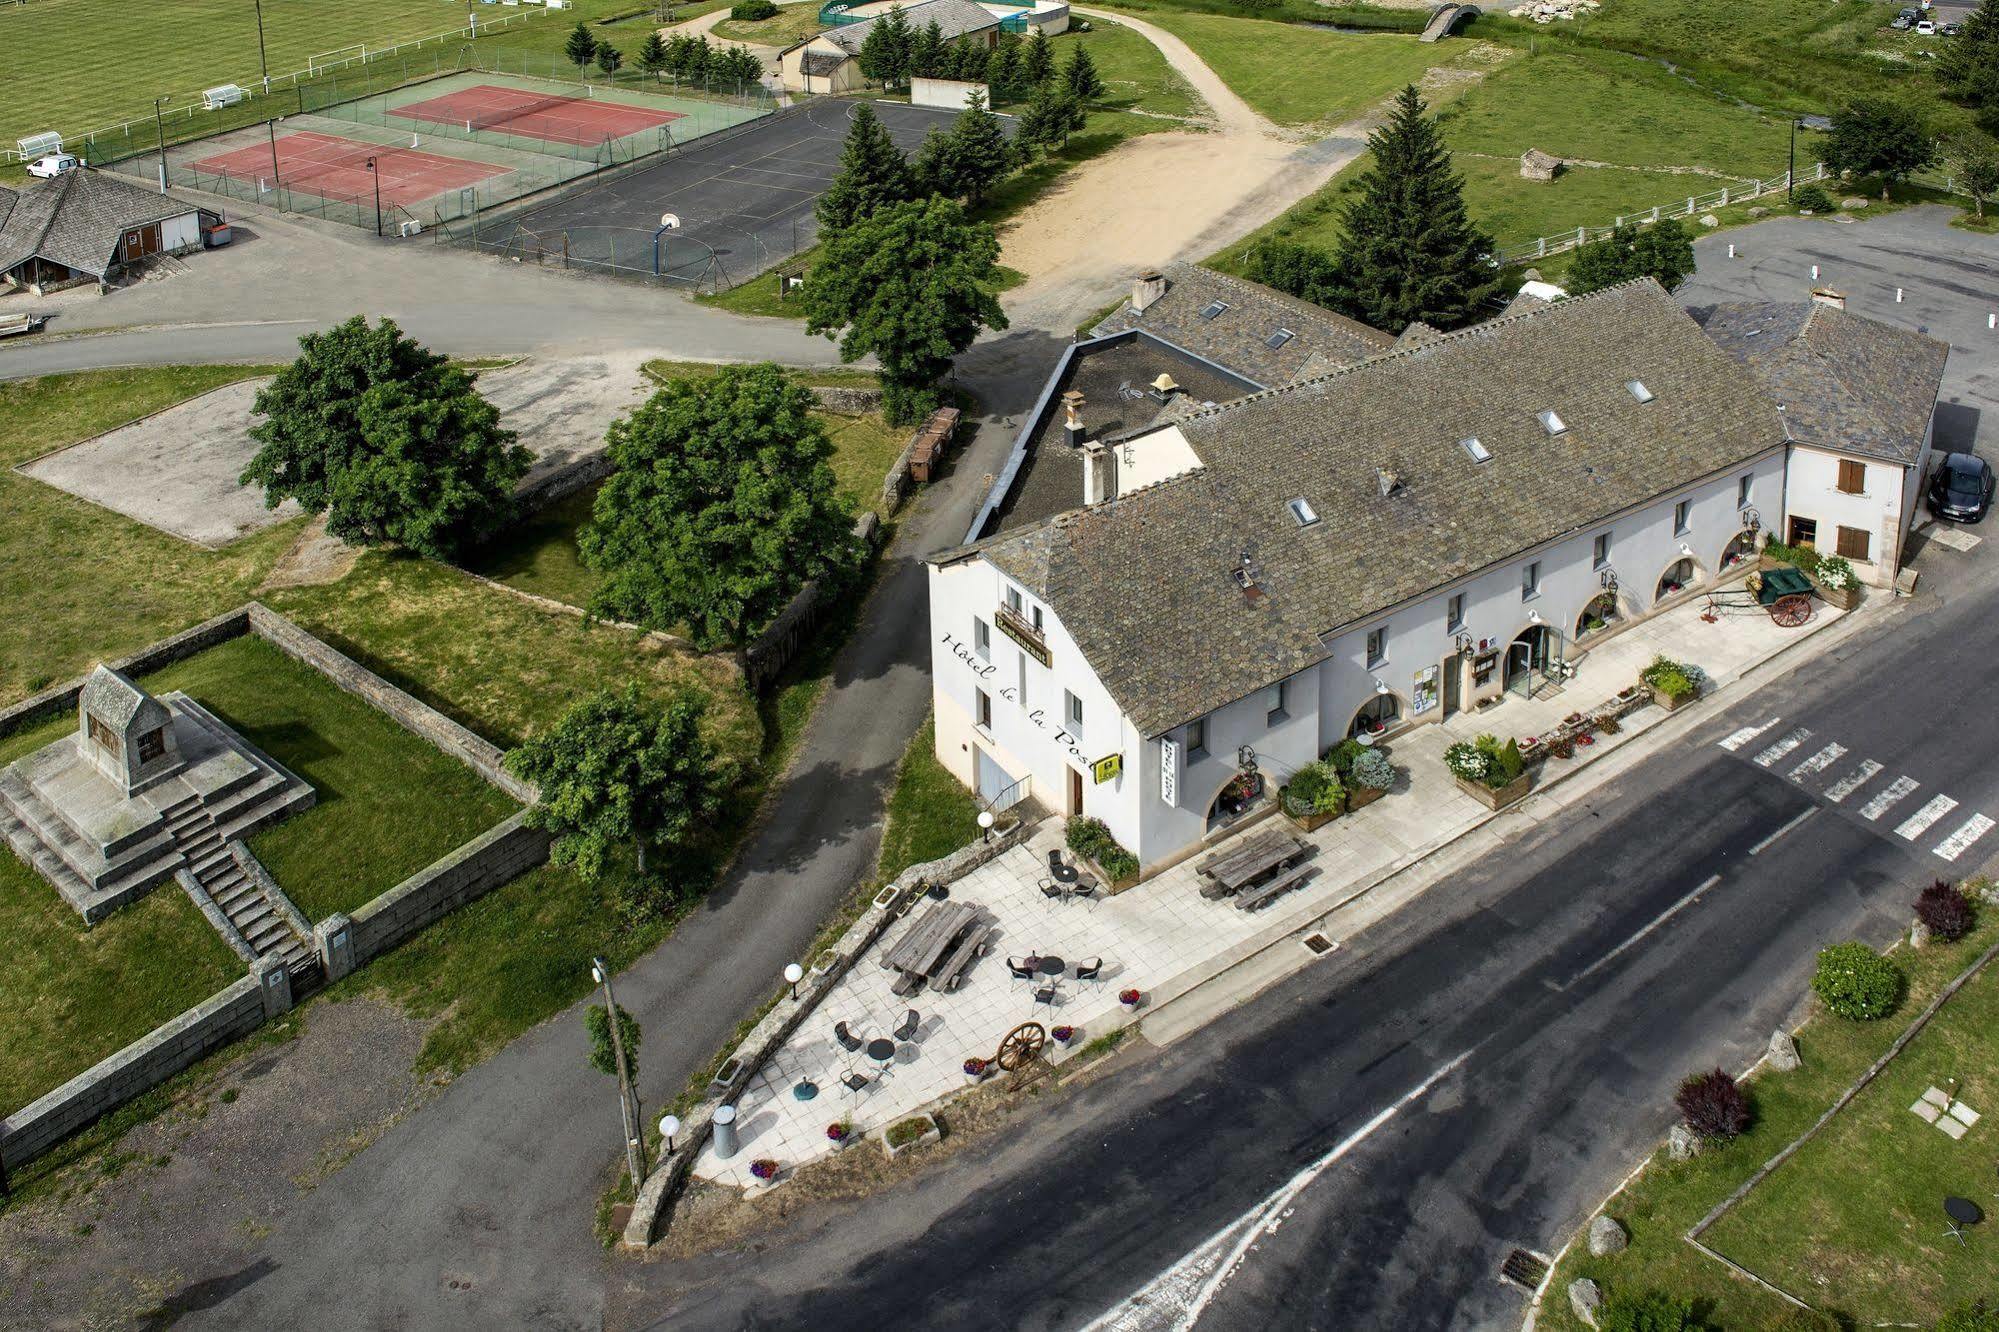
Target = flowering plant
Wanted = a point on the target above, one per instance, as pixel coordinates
(1063, 1034)
(837, 1132)
(1835, 574)
(974, 1066)
(764, 1169)
(1128, 997)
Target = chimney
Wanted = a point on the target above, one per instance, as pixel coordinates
(1164, 387)
(1099, 473)
(1146, 288)
(1829, 296)
(1072, 416)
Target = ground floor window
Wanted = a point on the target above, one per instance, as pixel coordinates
(1854, 543)
(1240, 794)
(1376, 715)
(1599, 615)
(1676, 579)
(1740, 547)
(1804, 531)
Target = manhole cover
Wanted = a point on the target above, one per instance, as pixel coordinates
(1524, 1269)
(1318, 944)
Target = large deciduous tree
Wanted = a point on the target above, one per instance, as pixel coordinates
(620, 771)
(1878, 136)
(1663, 250)
(1969, 67)
(912, 285)
(1974, 160)
(1410, 250)
(388, 439)
(719, 508)
(873, 174)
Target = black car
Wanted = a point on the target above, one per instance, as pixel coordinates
(1961, 488)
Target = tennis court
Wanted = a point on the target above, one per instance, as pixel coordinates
(557, 118)
(333, 167)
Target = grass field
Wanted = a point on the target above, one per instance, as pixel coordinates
(1136, 77)
(930, 813)
(1853, 1223)
(791, 23)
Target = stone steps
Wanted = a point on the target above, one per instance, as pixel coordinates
(240, 897)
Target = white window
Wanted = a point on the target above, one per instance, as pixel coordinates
(1196, 737)
(1377, 645)
(1600, 554)
(982, 714)
(1273, 703)
(1072, 708)
(982, 637)
(1013, 600)
(1454, 612)
(1680, 512)
(1742, 489)
(1552, 422)
(1530, 581)
(1302, 510)
(1037, 619)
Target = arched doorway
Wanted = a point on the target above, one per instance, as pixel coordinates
(1378, 714)
(1740, 547)
(1529, 658)
(1680, 575)
(1237, 796)
(1597, 616)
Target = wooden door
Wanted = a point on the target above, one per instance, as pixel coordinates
(1075, 791)
(1453, 672)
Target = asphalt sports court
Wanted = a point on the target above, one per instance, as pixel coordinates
(744, 201)
(555, 117)
(333, 167)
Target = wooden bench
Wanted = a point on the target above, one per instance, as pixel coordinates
(1231, 874)
(1265, 893)
(951, 973)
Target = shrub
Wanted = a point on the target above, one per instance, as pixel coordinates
(1345, 754)
(1803, 1320)
(1804, 557)
(1812, 198)
(1315, 789)
(1486, 760)
(904, 1132)
(752, 11)
(1089, 837)
(1647, 1311)
(1372, 771)
(1834, 573)
(1977, 1316)
(1672, 678)
(1856, 982)
(1713, 1106)
(1945, 910)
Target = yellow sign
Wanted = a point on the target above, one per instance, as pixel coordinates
(1107, 769)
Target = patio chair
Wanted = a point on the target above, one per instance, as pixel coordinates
(855, 1083)
(907, 1027)
(1084, 890)
(1051, 890)
(1020, 969)
(1090, 970)
(1054, 861)
(848, 1041)
(1045, 995)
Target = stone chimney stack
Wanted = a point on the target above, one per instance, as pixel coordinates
(1146, 288)
(1829, 296)
(1099, 473)
(1072, 416)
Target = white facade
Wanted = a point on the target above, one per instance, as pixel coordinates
(1842, 503)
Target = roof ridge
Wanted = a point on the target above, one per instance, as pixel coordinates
(1298, 303)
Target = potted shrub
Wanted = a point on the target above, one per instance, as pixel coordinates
(1314, 796)
(1129, 998)
(838, 1133)
(905, 1135)
(975, 1069)
(1091, 840)
(1371, 777)
(1836, 582)
(764, 1169)
(1063, 1035)
(1672, 683)
(1492, 773)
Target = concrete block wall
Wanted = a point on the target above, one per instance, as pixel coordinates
(852, 401)
(538, 492)
(506, 851)
(225, 1016)
(62, 698)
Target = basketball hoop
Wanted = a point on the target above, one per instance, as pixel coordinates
(669, 222)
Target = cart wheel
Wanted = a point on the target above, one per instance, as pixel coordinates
(1791, 611)
(1021, 1046)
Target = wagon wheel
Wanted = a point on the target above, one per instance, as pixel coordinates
(1021, 1046)
(1792, 611)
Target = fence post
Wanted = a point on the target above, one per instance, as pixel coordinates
(1541, 247)
(1724, 196)
(1690, 205)
(1582, 236)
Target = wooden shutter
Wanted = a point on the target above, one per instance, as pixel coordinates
(1852, 540)
(1852, 480)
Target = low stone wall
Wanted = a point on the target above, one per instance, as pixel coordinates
(851, 401)
(896, 484)
(653, 1207)
(62, 698)
(228, 1015)
(765, 659)
(482, 756)
(497, 856)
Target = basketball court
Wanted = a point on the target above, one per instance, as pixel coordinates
(333, 167)
(555, 118)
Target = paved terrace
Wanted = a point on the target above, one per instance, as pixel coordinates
(1162, 937)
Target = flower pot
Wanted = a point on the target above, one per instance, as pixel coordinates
(1110, 885)
(1497, 797)
(1672, 703)
(1360, 797)
(1307, 822)
(1844, 599)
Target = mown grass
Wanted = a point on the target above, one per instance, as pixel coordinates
(791, 23)
(1853, 1223)
(81, 583)
(1136, 77)
(930, 813)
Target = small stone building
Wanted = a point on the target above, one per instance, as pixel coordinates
(124, 732)
(1537, 165)
(87, 226)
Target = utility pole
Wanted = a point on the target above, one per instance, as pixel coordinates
(160, 128)
(628, 1097)
(377, 176)
(263, 61)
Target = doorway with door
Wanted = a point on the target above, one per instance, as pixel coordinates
(1530, 659)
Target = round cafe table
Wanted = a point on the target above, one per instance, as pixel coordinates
(881, 1049)
(1051, 966)
(1963, 1211)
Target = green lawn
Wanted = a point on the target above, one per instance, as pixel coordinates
(791, 24)
(82, 583)
(930, 813)
(1852, 1223)
(1136, 77)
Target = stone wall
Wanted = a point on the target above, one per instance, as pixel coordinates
(62, 698)
(473, 870)
(482, 756)
(225, 1016)
(851, 401)
(765, 659)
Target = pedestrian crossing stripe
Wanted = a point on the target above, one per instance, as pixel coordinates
(1818, 762)
(1852, 782)
(1783, 747)
(1897, 791)
(1746, 734)
(1919, 822)
(1960, 841)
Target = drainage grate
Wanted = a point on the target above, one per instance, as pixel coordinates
(1524, 1269)
(1318, 944)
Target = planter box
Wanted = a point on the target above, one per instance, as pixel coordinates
(1671, 704)
(1110, 885)
(1496, 797)
(1306, 822)
(1845, 599)
(932, 1133)
(1360, 797)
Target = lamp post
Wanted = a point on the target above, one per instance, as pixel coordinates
(628, 1099)
(986, 822)
(263, 61)
(793, 973)
(668, 1126)
(160, 129)
(377, 177)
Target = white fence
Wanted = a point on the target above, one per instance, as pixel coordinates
(1543, 246)
(188, 106)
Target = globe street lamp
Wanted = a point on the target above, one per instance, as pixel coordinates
(986, 825)
(793, 973)
(668, 1126)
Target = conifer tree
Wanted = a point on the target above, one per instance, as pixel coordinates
(1081, 76)
(873, 174)
(581, 48)
(1037, 58)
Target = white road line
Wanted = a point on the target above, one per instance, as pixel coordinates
(1818, 762)
(1656, 922)
(1960, 841)
(1918, 823)
(1896, 791)
(1746, 734)
(1759, 848)
(1852, 782)
(1175, 1299)
(1783, 747)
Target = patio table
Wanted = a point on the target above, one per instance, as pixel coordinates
(929, 940)
(1251, 863)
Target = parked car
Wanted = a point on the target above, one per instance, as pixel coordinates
(1961, 488)
(1903, 21)
(1925, 28)
(1950, 29)
(48, 168)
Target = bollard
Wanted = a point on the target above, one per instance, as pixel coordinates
(1991, 320)
(1731, 249)
(1815, 272)
(726, 1142)
(1898, 295)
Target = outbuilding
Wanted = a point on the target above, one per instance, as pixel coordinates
(85, 225)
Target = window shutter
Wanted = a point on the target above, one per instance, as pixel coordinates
(1852, 477)
(1853, 542)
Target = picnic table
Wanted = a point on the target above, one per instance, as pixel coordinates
(938, 947)
(1228, 872)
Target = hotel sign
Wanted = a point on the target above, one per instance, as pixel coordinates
(1169, 771)
(1030, 639)
(1107, 769)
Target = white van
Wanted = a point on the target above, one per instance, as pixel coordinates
(48, 168)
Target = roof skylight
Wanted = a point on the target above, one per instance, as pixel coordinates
(1279, 338)
(1213, 308)
(1637, 389)
(1301, 509)
(1478, 452)
(1552, 422)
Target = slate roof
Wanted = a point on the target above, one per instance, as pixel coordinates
(7, 198)
(76, 219)
(822, 63)
(1144, 583)
(1845, 381)
(113, 698)
(955, 18)
(1239, 337)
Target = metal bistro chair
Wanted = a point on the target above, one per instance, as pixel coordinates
(1051, 890)
(1084, 890)
(1020, 969)
(848, 1041)
(855, 1083)
(907, 1027)
(1091, 970)
(1045, 995)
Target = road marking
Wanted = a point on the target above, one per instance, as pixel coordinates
(1896, 791)
(1818, 762)
(1918, 823)
(1174, 1300)
(1657, 921)
(1746, 734)
(1852, 782)
(1782, 747)
(1759, 847)
(1960, 841)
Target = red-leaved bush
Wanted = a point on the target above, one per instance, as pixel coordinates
(1713, 1105)
(1945, 910)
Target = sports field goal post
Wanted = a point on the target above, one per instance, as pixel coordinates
(343, 55)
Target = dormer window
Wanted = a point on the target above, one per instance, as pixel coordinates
(1213, 308)
(1636, 388)
(1279, 338)
(1552, 422)
(1476, 451)
(1302, 510)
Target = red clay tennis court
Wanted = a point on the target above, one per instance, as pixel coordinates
(335, 168)
(532, 115)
